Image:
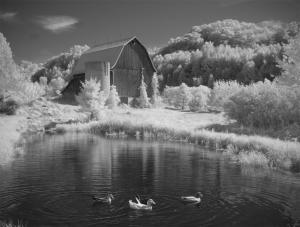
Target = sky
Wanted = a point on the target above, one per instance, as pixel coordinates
(40, 29)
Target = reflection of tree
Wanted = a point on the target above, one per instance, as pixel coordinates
(134, 168)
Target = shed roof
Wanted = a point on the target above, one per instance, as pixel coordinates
(109, 52)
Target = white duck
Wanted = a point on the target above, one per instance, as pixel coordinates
(141, 206)
(192, 199)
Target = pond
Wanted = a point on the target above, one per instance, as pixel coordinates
(53, 182)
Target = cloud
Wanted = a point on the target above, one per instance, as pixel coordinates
(57, 24)
(8, 16)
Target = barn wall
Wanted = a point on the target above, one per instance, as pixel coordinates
(127, 72)
(100, 71)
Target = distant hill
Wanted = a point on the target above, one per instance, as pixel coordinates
(227, 49)
(61, 65)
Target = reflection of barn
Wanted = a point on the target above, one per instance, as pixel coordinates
(120, 63)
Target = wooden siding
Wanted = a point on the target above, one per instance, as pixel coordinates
(127, 72)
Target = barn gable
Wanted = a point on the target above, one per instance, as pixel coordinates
(109, 52)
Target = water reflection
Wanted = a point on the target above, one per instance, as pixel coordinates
(53, 182)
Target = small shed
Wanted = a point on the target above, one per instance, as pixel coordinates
(120, 63)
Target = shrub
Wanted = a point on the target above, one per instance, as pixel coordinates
(143, 99)
(200, 97)
(90, 97)
(55, 86)
(8, 107)
(196, 98)
(222, 91)
(211, 81)
(178, 96)
(25, 91)
(265, 105)
(113, 98)
(155, 99)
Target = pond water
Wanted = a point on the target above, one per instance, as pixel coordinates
(53, 182)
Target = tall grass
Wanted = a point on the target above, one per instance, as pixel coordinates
(247, 149)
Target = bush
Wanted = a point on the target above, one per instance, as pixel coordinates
(200, 97)
(178, 96)
(155, 99)
(196, 98)
(8, 107)
(90, 97)
(143, 99)
(113, 98)
(265, 105)
(222, 91)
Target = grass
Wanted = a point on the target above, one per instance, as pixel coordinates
(31, 119)
(162, 124)
(10, 135)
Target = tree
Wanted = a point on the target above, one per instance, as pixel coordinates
(90, 97)
(291, 63)
(113, 98)
(210, 82)
(155, 99)
(184, 96)
(8, 68)
(143, 99)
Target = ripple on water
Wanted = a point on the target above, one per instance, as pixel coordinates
(55, 186)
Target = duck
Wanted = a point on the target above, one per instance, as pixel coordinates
(192, 199)
(140, 206)
(142, 200)
(107, 199)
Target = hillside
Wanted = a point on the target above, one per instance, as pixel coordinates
(227, 49)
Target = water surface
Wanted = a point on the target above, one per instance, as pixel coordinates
(53, 182)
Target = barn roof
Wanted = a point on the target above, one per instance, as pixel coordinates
(109, 52)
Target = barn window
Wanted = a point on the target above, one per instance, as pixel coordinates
(111, 77)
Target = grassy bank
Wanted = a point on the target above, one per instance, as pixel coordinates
(254, 150)
(10, 136)
(39, 116)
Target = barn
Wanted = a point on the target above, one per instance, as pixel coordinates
(120, 63)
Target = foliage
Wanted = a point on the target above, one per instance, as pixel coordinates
(200, 98)
(113, 98)
(228, 49)
(27, 69)
(178, 96)
(265, 105)
(8, 69)
(211, 81)
(12, 83)
(90, 97)
(155, 99)
(55, 86)
(25, 91)
(290, 64)
(61, 65)
(143, 99)
(8, 107)
(222, 91)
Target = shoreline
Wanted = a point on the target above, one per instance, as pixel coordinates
(250, 150)
(11, 136)
(151, 124)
